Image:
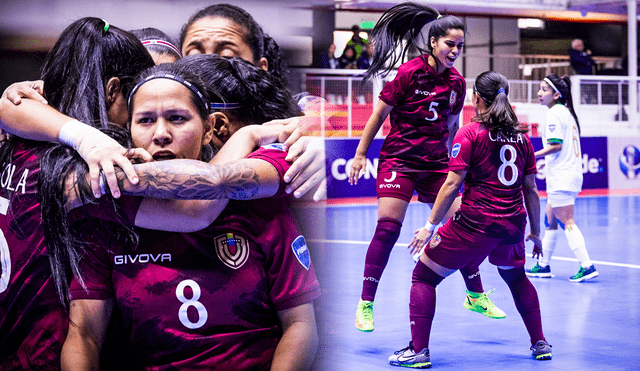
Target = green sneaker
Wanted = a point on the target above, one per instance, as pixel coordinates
(479, 302)
(584, 274)
(541, 350)
(539, 271)
(364, 316)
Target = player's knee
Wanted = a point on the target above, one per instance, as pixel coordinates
(424, 274)
(511, 275)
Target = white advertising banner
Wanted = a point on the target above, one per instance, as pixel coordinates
(624, 163)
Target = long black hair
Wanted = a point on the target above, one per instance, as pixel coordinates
(88, 53)
(261, 44)
(398, 31)
(563, 84)
(493, 89)
(261, 96)
(81, 62)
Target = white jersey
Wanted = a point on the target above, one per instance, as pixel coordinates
(564, 168)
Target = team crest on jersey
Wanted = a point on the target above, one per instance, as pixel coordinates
(552, 127)
(455, 150)
(435, 241)
(300, 249)
(452, 98)
(232, 249)
(277, 146)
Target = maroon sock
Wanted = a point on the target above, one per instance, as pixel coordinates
(472, 278)
(422, 304)
(385, 237)
(526, 298)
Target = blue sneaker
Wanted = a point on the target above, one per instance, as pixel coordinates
(541, 350)
(539, 271)
(584, 274)
(408, 358)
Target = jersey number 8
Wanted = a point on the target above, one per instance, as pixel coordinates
(511, 163)
(193, 302)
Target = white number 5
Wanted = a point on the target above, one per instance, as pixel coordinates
(432, 108)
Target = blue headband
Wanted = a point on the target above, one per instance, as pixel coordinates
(223, 106)
(165, 75)
(501, 90)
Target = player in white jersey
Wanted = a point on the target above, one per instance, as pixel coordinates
(563, 160)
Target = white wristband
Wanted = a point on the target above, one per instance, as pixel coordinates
(68, 132)
(430, 227)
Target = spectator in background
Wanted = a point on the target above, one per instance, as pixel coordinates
(580, 59)
(356, 41)
(365, 58)
(328, 58)
(348, 58)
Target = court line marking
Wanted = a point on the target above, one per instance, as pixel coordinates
(598, 262)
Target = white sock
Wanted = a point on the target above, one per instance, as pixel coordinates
(548, 246)
(577, 245)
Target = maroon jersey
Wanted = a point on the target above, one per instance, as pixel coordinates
(208, 299)
(33, 324)
(423, 103)
(492, 201)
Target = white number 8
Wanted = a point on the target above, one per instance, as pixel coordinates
(5, 263)
(508, 163)
(186, 303)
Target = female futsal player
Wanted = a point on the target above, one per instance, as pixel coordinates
(238, 294)
(424, 101)
(495, 159)
(160, 45)
(563, 161)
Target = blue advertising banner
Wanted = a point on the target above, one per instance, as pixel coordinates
(595, 168)
(624, 157)
(340, 154)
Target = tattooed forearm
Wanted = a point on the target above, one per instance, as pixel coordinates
(193, 180)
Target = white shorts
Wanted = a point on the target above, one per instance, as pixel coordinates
(561, 198)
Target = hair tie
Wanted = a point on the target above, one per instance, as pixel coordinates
(501, 90)
(164, 75)
(553, 86)
(439, 16)
(163, 43)
(106, 26)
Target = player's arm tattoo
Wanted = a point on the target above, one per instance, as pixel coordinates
(193, 180)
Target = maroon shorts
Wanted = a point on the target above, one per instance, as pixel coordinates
(401, 185)
(454, 246)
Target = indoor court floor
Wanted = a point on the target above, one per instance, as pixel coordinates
(593, 325)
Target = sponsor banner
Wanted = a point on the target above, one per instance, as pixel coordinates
(595, 165)
(340, 154)
(595, 160)
(624, 157)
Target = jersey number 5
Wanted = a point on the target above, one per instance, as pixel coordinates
(510, 163)
(432, 108)
(193, 302)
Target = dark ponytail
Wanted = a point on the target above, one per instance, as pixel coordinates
(493, 89)
(563, 84)
(404, 22)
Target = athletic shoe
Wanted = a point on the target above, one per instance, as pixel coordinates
(541, 350)
(539, 271)
(479, 302)
(408, 358)
(584, 274)
(364, 316)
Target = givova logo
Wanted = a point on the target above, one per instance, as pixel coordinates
(630, 161)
